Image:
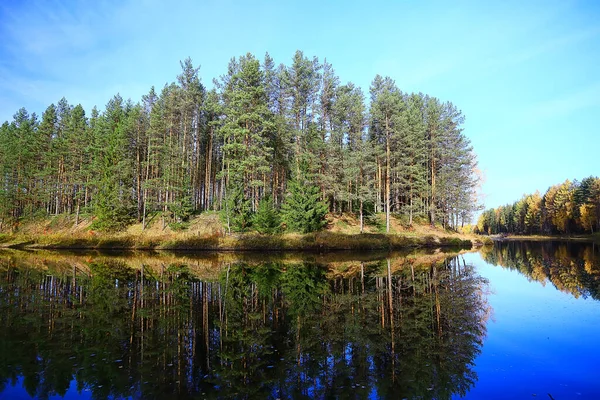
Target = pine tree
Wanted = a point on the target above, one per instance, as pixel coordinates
(247, 129)
(212, 114)
(152, 186)
(280, 138)
(301, 82)
(413, 150)
(386, 102)
(192, 94)
(19, 155)
(113, 203)
(77, 160)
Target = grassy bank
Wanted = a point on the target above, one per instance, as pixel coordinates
(207, 233)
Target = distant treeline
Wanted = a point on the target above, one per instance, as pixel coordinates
(570, 207)
(263, 132)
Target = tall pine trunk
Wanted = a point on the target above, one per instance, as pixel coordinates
(387, 177)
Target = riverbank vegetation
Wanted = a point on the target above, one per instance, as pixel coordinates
(572, 207)
(208, 232)
(271, 148)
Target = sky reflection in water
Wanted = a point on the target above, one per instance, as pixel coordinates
(539, 341)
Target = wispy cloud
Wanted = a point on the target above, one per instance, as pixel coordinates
(539, 49)
(47, 31)
(585, 98)
(53, 49)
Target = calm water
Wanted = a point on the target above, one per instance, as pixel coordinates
(544, 334)
(520, 320)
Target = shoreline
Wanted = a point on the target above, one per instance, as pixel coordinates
(321, 241)
(595, 238)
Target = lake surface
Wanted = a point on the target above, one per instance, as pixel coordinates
(518, 320)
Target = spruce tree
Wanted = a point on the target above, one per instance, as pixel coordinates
(181, 210)
(237, 210)
(303, 211)
(266, 220)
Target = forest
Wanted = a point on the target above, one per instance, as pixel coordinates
(268, 146)
(566, 208)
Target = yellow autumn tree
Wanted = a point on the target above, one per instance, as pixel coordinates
(596, 201)
(587, 216)
(560, 206)
(533, 216)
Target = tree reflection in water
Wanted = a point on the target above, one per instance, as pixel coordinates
(389, 328)
(571, 267)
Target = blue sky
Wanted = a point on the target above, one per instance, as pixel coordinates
(525, 74)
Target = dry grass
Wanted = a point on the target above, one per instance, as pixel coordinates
(64, 224)
(206, 232)
(206, 224)
(348, 224)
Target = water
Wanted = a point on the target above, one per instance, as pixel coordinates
(543, 338)
(520, 320)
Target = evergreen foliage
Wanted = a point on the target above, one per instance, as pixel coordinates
(183, 150)
(266, 220)
(181, 210)
(113, 206)
(303, 211)
(237, 211)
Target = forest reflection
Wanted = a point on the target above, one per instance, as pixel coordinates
(571, 267)
(402, 326)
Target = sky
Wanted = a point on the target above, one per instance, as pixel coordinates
(525, 74)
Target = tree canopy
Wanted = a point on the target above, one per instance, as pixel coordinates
(185, 149)
(569, 207)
